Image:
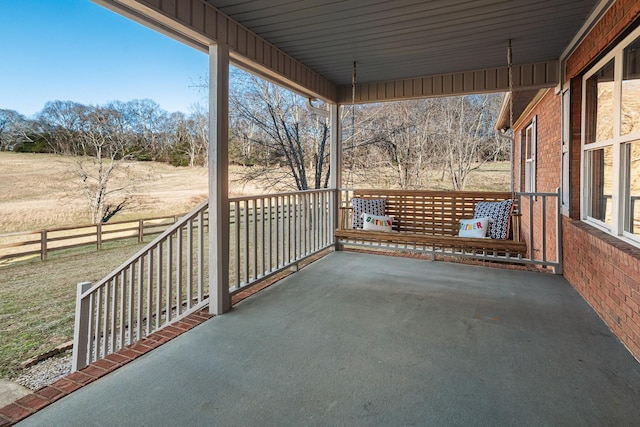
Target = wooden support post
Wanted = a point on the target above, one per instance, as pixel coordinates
(43, 245)
(141, 231)
(99, 236)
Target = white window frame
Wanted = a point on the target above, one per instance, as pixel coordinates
(565, 152)
(617, 143)
(528, 139)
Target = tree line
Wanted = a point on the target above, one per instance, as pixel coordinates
(282, 138)
(137, 129)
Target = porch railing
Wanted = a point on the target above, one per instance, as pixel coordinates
(541, 228)
(168, 279)
(162, 283)
(270, 233)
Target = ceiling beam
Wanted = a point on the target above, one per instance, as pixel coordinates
(525, 77)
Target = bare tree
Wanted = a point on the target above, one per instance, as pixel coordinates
(13, 127)
(466, 133)
(63, 122)
(287, 132)
(103, 138)
(405, 138)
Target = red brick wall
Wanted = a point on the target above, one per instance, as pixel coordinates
(548, 157)
(620, 16)
(602, 268)
(606, 272)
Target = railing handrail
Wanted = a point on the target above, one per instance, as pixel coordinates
(286, 194)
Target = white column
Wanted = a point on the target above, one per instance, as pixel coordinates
(219, 299)
(335, 163)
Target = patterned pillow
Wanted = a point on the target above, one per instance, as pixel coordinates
(370, 206)
(476, 227)
(500, 212)
(377, 222)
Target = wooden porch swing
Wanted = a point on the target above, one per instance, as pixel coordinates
(431, 220)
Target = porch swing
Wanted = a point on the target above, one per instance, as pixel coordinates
(451, 223)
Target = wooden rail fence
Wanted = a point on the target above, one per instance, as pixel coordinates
(42, 243)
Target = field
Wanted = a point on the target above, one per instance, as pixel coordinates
(37, 297)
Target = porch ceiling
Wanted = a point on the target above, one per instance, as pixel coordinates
(399, 39)
(403, 48)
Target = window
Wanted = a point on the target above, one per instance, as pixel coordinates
(529, 150)
(611, 142)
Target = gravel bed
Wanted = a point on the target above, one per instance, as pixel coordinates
(46, 372)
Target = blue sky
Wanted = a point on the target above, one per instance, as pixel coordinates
(76, 50)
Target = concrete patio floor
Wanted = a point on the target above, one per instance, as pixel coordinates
(365, 340)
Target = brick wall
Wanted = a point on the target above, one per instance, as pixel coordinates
(606, 272)
(602, 268)
(620, 17)
(548, 158)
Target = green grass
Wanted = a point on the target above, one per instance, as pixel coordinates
(37, 301)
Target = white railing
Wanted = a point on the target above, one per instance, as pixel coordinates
(168, 279)
(269, 233)
(541, 228)
(162, 283)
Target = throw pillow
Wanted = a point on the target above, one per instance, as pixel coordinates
(370, 206)
(500, 213)
(377, 222)
(476, 227)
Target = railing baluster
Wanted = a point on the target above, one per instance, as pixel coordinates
(106, 322)
(237, 224)
(189, 264)
(150, 276)
(130, 303)
(531, 221)
(245, 212)
(178, 286)
(277, 236)
(201, 256)
(98, 339)
(139, 293)
(289, 232)
(544, 228)
(122, 311)
(113, 314)
(91, 329)
(254, 259)
(270, 225)
(263, 219)
(168, 288)
(158, 288)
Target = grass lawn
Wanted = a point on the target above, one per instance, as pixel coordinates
(37, 301)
